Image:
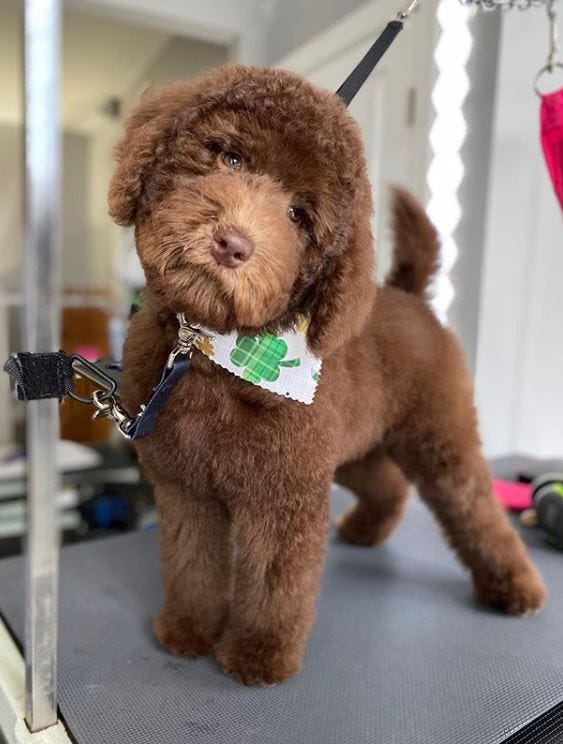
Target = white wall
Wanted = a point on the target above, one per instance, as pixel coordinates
(290, 23)
(520, 350)
(74, 188)
(75, 238)
(260, 31)
(78, 260)
(182, 59)
(11, 185)
(239, 23)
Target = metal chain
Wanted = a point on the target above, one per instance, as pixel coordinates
(552, 62)
(553, 36)
(506, 4)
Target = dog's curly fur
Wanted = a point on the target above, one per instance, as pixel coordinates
(235, 466)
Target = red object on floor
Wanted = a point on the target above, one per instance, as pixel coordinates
(514, 496)
(551, 126)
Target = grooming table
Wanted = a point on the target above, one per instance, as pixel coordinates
(400, 653)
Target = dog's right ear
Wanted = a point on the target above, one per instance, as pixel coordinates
(135, 154)
(345, 291)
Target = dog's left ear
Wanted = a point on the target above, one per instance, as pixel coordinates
(345, 291)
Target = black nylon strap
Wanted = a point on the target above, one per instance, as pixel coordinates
(41, 375)
(145, 421)
(361, 72)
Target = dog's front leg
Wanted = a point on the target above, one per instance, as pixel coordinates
(196, 555)
(281, 545)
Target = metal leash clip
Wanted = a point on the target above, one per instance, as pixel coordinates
(404, 14)
(105, 400)
(111, 408)
(187, 334)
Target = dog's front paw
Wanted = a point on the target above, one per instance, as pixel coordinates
(178, 635)
(256, 663)
(520, 593)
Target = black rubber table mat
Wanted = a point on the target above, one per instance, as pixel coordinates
(400, 653)
(547, 729)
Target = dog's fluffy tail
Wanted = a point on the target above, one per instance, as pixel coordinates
(416, 253)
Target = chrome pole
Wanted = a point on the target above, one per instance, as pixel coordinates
(41, 332)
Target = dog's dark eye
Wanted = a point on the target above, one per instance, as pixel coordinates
(233, 160)
(296, 214)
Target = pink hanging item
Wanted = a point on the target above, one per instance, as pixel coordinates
(551, 133)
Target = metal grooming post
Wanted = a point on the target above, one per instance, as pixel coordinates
(41, 333)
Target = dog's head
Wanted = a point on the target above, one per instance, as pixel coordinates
(250, 199)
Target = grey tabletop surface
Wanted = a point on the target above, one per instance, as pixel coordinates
(400, 653)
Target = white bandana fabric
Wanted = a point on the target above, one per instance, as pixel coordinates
(282, 364)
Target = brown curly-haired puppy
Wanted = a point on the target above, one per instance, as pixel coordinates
(241, 475)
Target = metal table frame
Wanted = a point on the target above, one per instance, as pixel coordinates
(41, 332)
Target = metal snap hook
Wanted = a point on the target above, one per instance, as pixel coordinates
(87, 369)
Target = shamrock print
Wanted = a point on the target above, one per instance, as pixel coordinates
(261, 356)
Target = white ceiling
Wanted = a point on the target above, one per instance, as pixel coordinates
(100, 59)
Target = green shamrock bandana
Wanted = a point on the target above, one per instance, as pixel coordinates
(282, 364)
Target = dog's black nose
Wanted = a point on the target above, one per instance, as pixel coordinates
(231, 248)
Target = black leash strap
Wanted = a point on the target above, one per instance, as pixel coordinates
(364, 68)
(144, 423)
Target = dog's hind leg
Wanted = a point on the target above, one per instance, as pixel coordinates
(196, 557)
(381, 490)
(443, 458)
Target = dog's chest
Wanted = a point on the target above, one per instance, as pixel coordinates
(208, 436)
